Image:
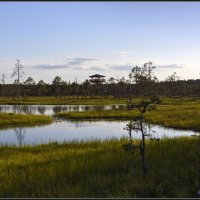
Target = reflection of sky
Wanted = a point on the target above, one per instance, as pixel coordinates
(61, 131)
(52, 109)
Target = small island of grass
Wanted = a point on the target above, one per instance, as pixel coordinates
(10, 119)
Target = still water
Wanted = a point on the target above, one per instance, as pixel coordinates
(65, 130)
(52, 109)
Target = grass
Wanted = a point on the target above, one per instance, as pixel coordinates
(180, 117)
(10, 120)
(64, 100)
(100, 114)
(100, 169)
(96, 100)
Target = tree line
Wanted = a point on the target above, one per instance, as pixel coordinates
(141, 81)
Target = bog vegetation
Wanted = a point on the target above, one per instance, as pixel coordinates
(112, 168)
(101, 169)
(10, 120)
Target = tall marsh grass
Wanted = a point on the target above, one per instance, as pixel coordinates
(182, 116)
(100, 169)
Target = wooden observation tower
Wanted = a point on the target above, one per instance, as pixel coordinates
(97, 79)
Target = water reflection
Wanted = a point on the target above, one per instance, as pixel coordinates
(86, 108)
(20, 134)
(53, 109)
(28, 109)
(16, 109)
(41, 110)
(70, 130)
(57, 109)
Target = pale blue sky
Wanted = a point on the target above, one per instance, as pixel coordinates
(78, 39)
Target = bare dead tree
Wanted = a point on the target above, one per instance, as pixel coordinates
(18, 71)
(3, 79)
(3, 86)
(150, 77)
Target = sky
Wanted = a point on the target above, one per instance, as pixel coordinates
(74, 40)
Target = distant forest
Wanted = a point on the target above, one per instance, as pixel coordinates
(140, 82)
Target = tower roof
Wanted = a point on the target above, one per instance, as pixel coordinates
(96, 76)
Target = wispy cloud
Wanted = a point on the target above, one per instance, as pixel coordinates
(123, 53)
(79, 61)
(170, 66)
(126, 67)
(50, 66)
(98, 68)
(60, 58)
(73, 63)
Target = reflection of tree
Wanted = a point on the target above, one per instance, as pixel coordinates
(57, 109)
(5, 108)
(98, 108)
(64, 109)
(113, 107)
(41, 109)
(86, 108)
(75, 108)
(20, 134)
(77, 124)
(24, 109)
(17, 108)
(28, 109)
